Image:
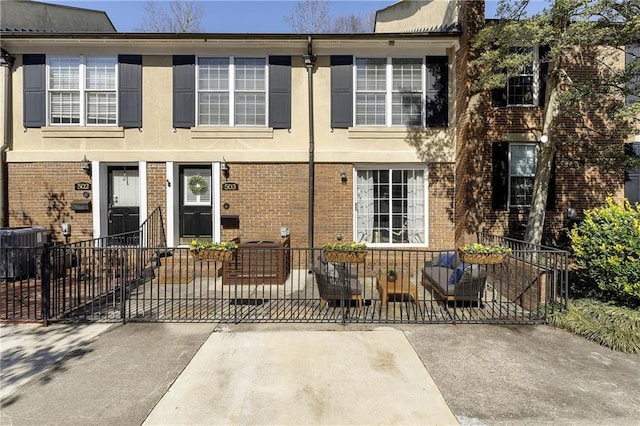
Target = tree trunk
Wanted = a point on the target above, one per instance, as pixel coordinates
(546, 153)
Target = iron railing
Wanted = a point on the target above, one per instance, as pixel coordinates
(278, 283)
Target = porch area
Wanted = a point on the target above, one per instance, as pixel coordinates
(168, 284)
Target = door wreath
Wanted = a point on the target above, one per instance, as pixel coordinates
(197, 185)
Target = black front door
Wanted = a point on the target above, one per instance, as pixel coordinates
(196, 219)
(123, 212)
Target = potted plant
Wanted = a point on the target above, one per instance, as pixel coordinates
(352, 252)
(392, 274)
(216, 252)
(483, 254)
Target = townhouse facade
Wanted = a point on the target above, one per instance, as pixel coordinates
(367, 137)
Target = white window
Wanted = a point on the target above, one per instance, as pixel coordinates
(522, 88)
(232, 91)
(522, 171)
(391, 205)
(82, 90)
(389, 92)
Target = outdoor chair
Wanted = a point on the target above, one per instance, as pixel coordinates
(453, 281)
(337, 282)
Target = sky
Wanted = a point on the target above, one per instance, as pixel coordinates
(228, 16)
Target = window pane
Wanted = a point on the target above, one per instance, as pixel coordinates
(407, 75)
(406, 109)
(370, 109)
(523, 160)
(64, 73)
(250, 109)
(213, 109)
(213, 74)
(250, 74)
(371, 74)
(101, 108)
(64, 108)
(100, 73)
(521, 191)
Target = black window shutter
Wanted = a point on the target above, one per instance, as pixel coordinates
(551, 193)
(437, 96)
(130, 90)
(543, 71)
(499, 97)
(184, 91)
(500, 171)
(632, 177)
(280, 92)
(35, 97)
(632, 54)
(341, 92)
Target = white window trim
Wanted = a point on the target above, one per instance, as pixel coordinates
(232, 90)
(536, 81)
(388, 119)
(509, 205)
(82, 90)
(386, 166)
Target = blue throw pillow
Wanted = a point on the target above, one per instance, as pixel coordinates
(457, 274)
(447, 260)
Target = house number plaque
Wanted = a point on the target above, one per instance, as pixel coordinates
(83, 186)
(229, 186)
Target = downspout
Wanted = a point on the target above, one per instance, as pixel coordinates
(309, 62)
(6, 61)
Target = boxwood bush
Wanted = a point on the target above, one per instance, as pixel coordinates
(607, 245)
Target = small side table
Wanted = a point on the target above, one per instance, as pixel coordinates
(400, 287)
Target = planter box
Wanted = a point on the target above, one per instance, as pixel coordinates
(344, 256)
(214, 255)
(481, 258)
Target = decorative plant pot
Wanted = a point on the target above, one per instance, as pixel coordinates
(345, 256)
(481, 258)
(391, 277)
(214, 255)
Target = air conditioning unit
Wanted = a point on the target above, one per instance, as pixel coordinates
(19, 251)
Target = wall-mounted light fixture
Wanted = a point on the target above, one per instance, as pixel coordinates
(224, 168)
(343, 176)
(85, 164)
(544, 138)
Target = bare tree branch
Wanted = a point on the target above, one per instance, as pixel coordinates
(183, 16)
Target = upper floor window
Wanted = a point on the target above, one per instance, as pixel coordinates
(232, 91)
(82, 90)
(389, 91)
(522, 88)
(390, 205)
(527, 86)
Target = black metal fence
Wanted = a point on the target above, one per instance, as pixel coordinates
(276, 283)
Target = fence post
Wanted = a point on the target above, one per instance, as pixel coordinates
(45, 285)
(123, 281)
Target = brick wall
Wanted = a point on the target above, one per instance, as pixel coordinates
(40, 194)
(270, 196)
(579, 184)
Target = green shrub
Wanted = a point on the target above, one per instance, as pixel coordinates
(607, 244)
(612, 326)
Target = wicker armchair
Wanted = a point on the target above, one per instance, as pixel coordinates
(336, 284)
